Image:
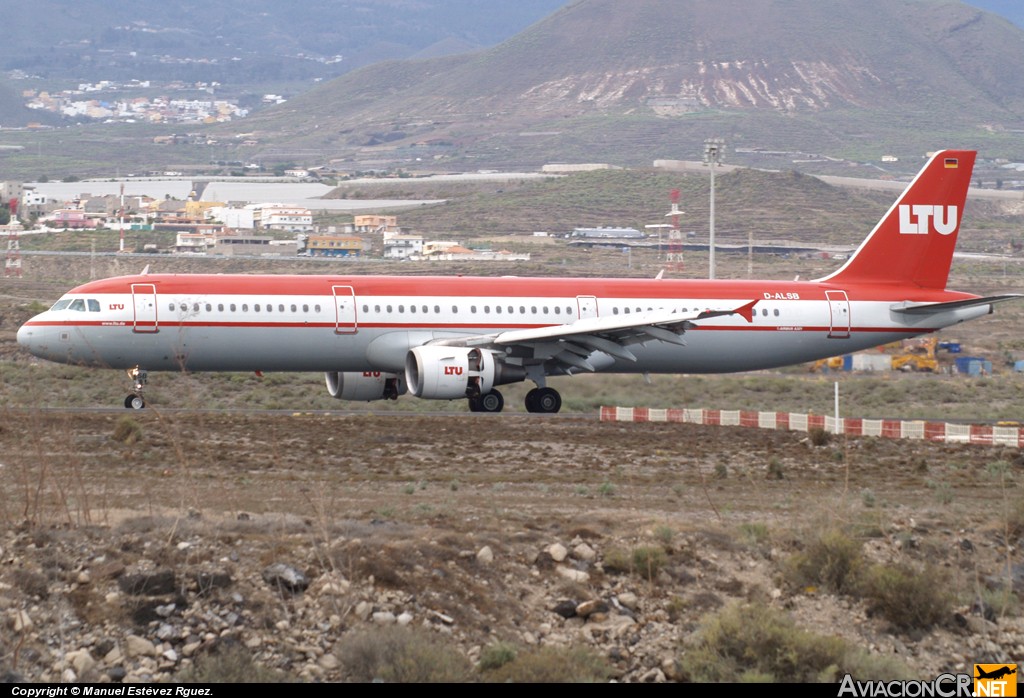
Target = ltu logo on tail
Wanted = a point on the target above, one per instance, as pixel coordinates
(914, 220)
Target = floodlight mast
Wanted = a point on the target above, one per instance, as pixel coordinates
(714, 148)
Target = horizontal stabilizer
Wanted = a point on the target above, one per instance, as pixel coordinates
(908, 308)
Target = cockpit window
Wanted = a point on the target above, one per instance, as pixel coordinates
(61, 304)
(77, 304)
(94, 305)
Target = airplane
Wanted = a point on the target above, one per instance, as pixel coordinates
(995, 673)
(446, 338)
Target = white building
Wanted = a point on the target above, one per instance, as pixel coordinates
(293, 219)
(398, 246)
(234, 218)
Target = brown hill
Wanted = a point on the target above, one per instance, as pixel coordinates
(632, 81)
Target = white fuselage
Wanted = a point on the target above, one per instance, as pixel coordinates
(359, 324)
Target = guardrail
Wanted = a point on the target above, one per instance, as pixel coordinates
(945, 432)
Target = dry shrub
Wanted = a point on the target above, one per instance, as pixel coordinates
(751, 642)
(908, 598)
(393, 654)
(552, 665)
(230, 662)
(833, 560)
(127, 431)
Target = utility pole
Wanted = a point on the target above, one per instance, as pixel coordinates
(713, 151)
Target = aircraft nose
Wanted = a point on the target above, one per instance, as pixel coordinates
(25, 336)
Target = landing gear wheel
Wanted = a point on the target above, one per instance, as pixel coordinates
(491, 402)
(134, 402)
(545, 400)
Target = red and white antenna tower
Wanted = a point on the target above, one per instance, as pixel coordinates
(675, 236)
(12, 267)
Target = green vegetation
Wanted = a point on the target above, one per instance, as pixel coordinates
(832, 560)
(401, 655)
(753, 643)
(549, 664)
(231, 663)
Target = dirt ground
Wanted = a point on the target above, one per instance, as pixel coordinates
(425, 493)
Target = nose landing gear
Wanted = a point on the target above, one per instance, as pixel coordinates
(135, 400)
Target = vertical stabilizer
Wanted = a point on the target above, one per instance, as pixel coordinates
(913, 243)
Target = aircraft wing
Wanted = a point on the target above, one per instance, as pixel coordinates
(570, 346)
(908, 308)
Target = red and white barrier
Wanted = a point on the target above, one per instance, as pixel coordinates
(888, 428)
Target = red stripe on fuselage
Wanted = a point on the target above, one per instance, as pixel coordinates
(519, 287)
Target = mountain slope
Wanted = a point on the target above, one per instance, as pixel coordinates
(876, 70)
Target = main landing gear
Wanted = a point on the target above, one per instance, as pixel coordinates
(543, 400)
(135, 400)
(538, 400)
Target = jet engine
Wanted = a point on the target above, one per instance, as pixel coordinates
(366, 386)
(446, 373)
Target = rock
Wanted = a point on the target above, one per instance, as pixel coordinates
(208, 582)
(672, 668)
(159, 583)
(80, 660)
(21, 622)
(573, 575)
(557, 552)
(363, 610)
(629, 600)
(485, 556)
(405, 618)
(654, 675)
(588, 608)
(328, 662)
(135, 646)
(584, 552)
(384, 618)
(566, 608)
(285, 577)
(330, 584)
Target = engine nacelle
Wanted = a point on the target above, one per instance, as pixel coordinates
(366, 386)
(448, 373)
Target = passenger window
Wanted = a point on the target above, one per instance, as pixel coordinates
(280, 308)
(184, 308)
(209, 308)
(472, 309)
(437, 310)
(776, 312)
(316, 307)
(401, 308)
(425, 309)
(412, 308)
(195, 307)
(305, 308)
(294, 309)
(94, 305)
(389, 308)
(558, 310)
(487, 309)
(533, 309)
(615, 311)
(497, 309)
(233, 307)
(170, 306)
(270, 307)
(455, 309)
(366, 308)
(245, 307)
(220, 307)
(545, 310)
(376, 308)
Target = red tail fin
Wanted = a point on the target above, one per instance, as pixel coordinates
(913, 243)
